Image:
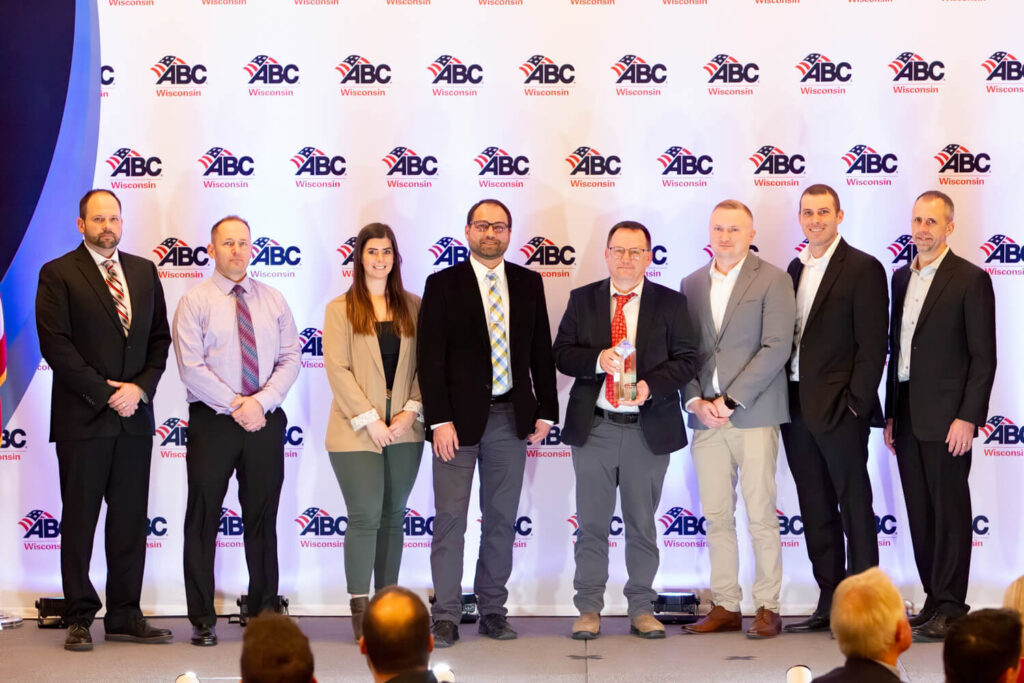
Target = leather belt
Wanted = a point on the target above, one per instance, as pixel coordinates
(501, 398)
(618, 418)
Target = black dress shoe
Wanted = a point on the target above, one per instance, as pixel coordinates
(496, 626)
(445, 633)
(204, 636)
(819, 621)
(79, 639)
(935, 630)
(141, 632)
(922, 618)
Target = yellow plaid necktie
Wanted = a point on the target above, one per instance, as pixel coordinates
(499, 340)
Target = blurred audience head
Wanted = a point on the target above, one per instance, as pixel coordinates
(275, 650)
(983, 647)
(868, 617)
(396, 633)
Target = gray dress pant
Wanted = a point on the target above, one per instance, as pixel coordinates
(616, 455)
(502, 458)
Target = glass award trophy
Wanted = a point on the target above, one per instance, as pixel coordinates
(625, 378)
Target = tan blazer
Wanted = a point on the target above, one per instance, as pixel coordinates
(356, 374)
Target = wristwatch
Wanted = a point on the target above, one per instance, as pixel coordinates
(730, 402)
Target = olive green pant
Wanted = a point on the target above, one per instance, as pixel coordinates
(376, 487)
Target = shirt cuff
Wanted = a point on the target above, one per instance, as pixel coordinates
(547, 422)
(414, 407)
(363, 419)
(440, 424)
(686, 406)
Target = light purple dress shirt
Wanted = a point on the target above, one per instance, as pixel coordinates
(209, 351)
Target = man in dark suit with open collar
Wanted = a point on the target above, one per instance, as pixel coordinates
(942, 363)
(102, 325)
(487, 376)
(836, 365)
(619, 443)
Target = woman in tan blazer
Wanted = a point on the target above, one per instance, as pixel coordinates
(375, 430)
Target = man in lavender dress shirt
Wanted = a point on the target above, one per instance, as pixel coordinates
(238, 354)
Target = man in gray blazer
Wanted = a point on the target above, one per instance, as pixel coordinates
(744, 312)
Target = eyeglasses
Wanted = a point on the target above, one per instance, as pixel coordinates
(634, 254)
(483, 226)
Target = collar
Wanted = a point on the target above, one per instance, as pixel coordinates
(481, 271)
(810, 261)
(931, 267)
(226, 285)
(734, 273)
(100, 258)
(893, 669)
(636, 290)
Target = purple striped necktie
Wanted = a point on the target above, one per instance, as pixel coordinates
(116, 288)
(247, 337)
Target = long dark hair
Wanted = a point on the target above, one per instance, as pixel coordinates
(359, 307)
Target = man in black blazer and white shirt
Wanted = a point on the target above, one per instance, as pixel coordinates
(617, 443)
(942, 363)
(102, 325)
(487, 376)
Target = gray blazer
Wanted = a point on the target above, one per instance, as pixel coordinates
(753, 345)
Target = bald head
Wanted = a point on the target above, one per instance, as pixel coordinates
(396, 631)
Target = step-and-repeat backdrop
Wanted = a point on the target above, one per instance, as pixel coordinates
(311, 118)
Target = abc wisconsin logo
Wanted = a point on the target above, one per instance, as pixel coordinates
(132, 170)
(294, 439)
(403, 164)
(460, 78)
(545, 77)
(590, 168)
(362, 78)
(270, 78)
(914, 74)
(682, 168)
(272, 259)
(39, 530)
(315, 168)
(730, 76)
(348, 255)
(903, 251)
(175, 259)
(867, 166)
(13, 444)
(635, 76)
(1002, 68)
(448, 251)
(960, 166)
(177, 78)
(819, 75)
(551, 446)
(219, 163)
(312, 347)
(498, 168)
(681, 528)
(548, 258)
(1001, 437)
(172, 438)
(1002, 256)
(775, 168)
(418, 530)
(319, 529)
(230, 529)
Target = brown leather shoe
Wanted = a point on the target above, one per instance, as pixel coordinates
(587, 626)
(767, 624)
(717, 620)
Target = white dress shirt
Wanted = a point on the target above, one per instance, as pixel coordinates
(917, 290)
(116, 258)
(631, 312)
(810, 280)
(481, 271)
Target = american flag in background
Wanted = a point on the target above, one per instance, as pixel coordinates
(212, 154)
(168, 426)
(309, 333)
(948, 151)
(718, 60)
(346, 249)
(256, 62)
(257, 245)
(483, 157)
(620, 66)
(760, 155)
(533, 62)
(899, 243)
(994, 422)
(442, 244)
(800, 247)
(307, 516)
(992, 62)
(438, 65)
(349, 63)
(671, 153)
(855, 152)
(166, 246)
(810, 60)
(994, 241)
(576, 157)
(903, 59)
(397, 153)
(666, 519)
(533, 245)
(303, 154)
(117, 157)
(160, 67)
(32, 517)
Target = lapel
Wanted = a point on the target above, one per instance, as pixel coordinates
(941, 278)
(134, 277)
(603, 315)
(746, 276)
(517, 304)
(645, 318)
(832, 270)
(92, 275)
(702, 296)
(372, 348)
(899, 295)
(796, 267)
(466, 282)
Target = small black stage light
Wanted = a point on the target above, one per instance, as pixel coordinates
(676, 607)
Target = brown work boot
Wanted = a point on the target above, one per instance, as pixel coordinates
(646, 626)
(767, 624)
(717, 620)
(587, 626)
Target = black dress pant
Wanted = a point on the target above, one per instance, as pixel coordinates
(834, 490)
(939, 513)
(218, 446)
(91, 470)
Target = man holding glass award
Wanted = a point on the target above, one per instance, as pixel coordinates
(629, 346)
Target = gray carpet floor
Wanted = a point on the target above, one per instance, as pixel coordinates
(543, 652)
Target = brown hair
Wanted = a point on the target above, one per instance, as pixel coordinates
(359, 307)
(735, 205)
(819, 189)
(274, 649)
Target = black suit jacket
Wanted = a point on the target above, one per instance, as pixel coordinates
(953, 352)
(81, 338)
(857, 670)
(454, 352)
(666, 359)
(843, 346)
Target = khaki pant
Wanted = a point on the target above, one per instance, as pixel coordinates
(721, 457)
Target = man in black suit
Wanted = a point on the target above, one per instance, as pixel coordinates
(942, 364)
(102, 325)
(870, 625)
(618, 442)
(838, 355)
(484, 348)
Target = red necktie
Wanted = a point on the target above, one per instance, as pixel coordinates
(618, 334)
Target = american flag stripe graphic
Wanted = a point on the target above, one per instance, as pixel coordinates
(167, 245)
(303, 154)
(533, 62)
(349, 63)
(709, 251)
(115, 159)
(898, 244)
(800, 247)
(855, 152)
(532, 246)
(397, 153)
(442, 244)
(718, 60)
(256, 62)
(760, 155)
(993, 242)
(438, 65)
(483, 157)
(902, 59)
(671, 153)
(346, 248)
(160, 67)
(620, 66)
(948, 151)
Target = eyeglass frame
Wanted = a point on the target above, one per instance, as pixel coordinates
(635, 254)
(499, 227)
